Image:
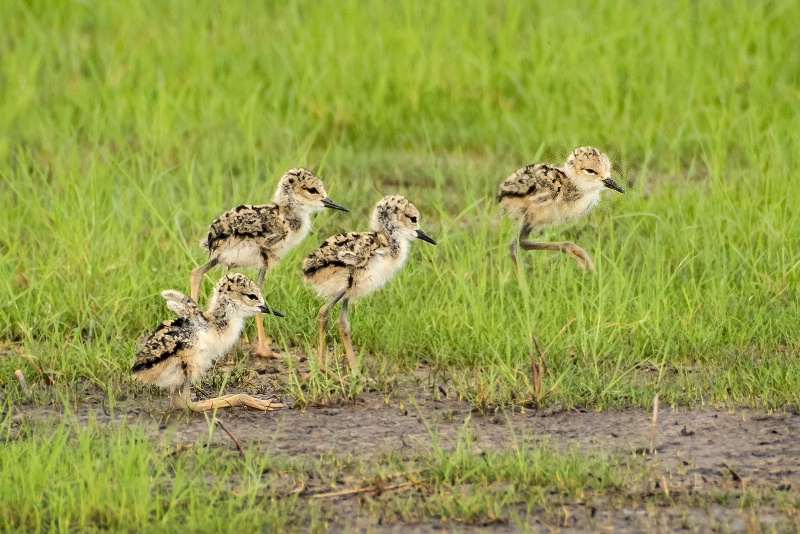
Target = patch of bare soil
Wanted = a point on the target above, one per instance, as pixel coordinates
(713, 469)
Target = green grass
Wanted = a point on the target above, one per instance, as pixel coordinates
(61, 476)
(79, 474)
(126, 128)
(125, 131)
(57, 479)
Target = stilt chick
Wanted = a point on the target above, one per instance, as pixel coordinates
(350, 265)
(180, 351)
(543, 194)
(258, 236)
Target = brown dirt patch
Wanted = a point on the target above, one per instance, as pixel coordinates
(714, 469)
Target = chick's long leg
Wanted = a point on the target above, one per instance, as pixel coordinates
(524, 232)
(182, 400)
(567, 247)
(197, 277)
(234, 400)
(512, 251)
(344, 332)
(264, 343)
(322, 321)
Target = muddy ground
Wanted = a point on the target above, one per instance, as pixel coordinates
(711, 472)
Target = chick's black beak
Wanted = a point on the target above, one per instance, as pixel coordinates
(611, 184)
(328, 203)
(266, 309)
(425, 237)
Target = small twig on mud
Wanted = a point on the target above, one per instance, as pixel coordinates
(23, 384)
(653, 429)
(233, 438)
(361, 490)
(736, 476)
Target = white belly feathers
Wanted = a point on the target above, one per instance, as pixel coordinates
(212, 345)
(241, 254)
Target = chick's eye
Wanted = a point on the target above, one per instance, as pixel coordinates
(251, 296)
(413, 220)
(312, 190)
(591, 171)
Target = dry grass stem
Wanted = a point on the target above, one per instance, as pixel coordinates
(653, 429)
(377, 488)
(537, 368)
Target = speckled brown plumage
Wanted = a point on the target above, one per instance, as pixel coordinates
(542, 182)
(258, 236)
(352, 250)
(544, 194)
(181, 350)
(354, 264)
(266, 224)
(168, 340)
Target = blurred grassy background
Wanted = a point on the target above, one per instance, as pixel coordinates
(125, 128)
